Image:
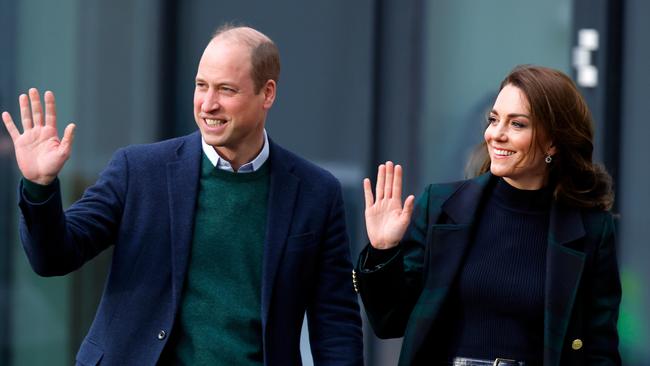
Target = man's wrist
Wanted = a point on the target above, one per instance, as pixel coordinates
(37, 192)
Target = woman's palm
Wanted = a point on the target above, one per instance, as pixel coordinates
(386, 218)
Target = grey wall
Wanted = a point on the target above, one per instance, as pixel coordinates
(469, 48)
(7, 181)
(634, 196)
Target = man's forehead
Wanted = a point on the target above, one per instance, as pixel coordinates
(223, 46)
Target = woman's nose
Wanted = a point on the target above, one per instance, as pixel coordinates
(499, 132)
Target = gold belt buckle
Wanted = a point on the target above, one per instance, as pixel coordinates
(499, 359)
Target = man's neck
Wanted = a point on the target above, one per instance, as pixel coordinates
(243, 155)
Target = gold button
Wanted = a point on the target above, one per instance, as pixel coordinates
(576, 344)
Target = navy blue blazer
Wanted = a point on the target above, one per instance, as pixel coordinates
(144, 203)
(404, 296)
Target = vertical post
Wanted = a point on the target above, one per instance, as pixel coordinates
(597, 58)
(8, 205)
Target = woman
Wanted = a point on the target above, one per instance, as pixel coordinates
(513, 267)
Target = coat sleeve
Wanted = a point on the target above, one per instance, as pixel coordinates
(602, 305)
(58, 242)
(333, 313)
(390, 289)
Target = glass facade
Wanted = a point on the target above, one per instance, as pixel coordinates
(362, 82)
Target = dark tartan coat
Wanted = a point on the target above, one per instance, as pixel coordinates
(403, 296)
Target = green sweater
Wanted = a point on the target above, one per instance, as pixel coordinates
(219, 322)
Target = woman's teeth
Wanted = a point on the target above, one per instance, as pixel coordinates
(503, 152)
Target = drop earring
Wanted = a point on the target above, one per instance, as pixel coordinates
(548, 159)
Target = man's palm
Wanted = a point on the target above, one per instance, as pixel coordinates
(39, 152)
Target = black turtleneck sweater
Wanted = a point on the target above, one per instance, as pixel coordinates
(496, 307)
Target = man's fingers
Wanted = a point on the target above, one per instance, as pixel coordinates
(68, 138)
(37, 107)
(388, 187)
(11, 127)
(50, 109)
(25, 112)
(381, 177)
(397, 182)
(367, 192)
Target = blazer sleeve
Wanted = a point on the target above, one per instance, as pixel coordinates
(333, 313)
(58, 242)
(390, 289)
(602, 305)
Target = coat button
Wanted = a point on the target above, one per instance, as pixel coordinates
(162, 334)
(576, 344)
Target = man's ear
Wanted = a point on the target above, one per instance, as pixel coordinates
(269, 90)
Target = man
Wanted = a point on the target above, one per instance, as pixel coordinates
(222, 239)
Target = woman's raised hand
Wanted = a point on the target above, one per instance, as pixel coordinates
(386, 218)
(39, 152)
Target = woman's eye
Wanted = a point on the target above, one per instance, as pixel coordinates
(492, 120)
(518, 124)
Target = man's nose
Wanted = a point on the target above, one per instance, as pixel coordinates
(210, 102)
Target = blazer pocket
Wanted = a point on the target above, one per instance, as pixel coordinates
(446, 234)
(301, 242)
(90, 354)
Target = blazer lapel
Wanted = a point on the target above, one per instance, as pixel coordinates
(283, 191)
(182, 189)
(564, 267)
(447, 242)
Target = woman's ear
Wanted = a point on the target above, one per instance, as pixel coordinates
(551, 150)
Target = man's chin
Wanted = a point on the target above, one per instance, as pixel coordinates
(212, 140)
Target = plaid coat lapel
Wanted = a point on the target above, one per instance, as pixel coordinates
(565, 262)
(450, 230)
(448, 236)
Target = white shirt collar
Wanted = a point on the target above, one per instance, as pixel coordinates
(223, 164)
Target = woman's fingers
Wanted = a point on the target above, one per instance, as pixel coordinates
(408, 206)
(367, 192)
(381, 178)
(397, 182)
(388, 186)
(50, 109)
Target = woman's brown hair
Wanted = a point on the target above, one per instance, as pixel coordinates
(560, 113)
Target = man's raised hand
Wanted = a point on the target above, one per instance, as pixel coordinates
(40, 153)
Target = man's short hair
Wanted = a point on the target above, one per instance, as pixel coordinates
(265, 56)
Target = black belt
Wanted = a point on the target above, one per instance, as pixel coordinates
(464, 361)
